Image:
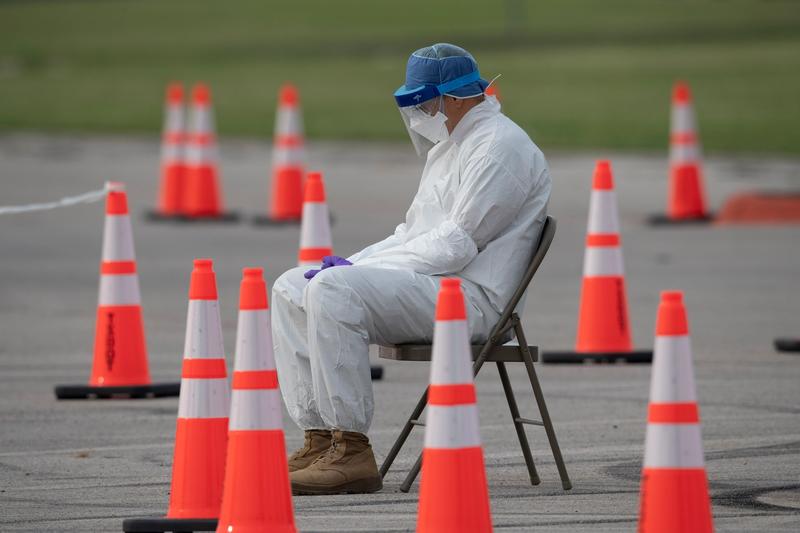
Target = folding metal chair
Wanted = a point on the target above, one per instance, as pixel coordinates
(492, 351)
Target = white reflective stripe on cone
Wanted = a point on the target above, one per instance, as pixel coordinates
(315, 231)
(255, 409)
(672, 377)
(452, 426)
(603, 216)
(288, 122)
(118, 238)
(310, 264)
(173, 122)
(119, 289)
(684, 153)
(254, 341)
(198, 156)
(203, 331)
(203, 398)
(673, 446)
(682, 119)
(451, 362)
(602, 261)
(284, 157)
(171, 153)
(194, 154)
(202, 120)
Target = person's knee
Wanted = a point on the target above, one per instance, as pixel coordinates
(289, 285)
(328, 288)
(321, 284)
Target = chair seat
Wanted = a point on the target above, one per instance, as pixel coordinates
(507, 353)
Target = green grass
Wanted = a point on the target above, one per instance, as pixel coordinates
(576, 74)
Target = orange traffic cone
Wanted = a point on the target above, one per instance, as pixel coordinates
(686, 202)
(201, 435)
(257, 495)
(494, 90)
(120, 354)
(286, 199)
(173, 166)
(453, 496)
(315, 231)
(202, 194)
(674, 491)
(603, 328)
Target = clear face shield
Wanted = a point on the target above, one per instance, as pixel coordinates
(422, 110)
(426, 124)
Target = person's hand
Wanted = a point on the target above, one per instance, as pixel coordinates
(334, 261)
(327, 262)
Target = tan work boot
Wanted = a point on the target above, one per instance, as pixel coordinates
(318, 441)
(348, 466)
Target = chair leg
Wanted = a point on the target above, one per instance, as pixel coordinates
(412, 475)
(401, 439)
(519, 426)
(548, 424)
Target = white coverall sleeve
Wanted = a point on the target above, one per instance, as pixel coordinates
(388, 242)
(486, 202)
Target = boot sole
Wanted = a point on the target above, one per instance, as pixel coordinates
(359, 486)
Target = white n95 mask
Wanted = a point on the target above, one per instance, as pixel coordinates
(425, 129)
(433, 128)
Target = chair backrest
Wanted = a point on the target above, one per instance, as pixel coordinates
(546, 237)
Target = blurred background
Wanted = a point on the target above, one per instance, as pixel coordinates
(576, 74)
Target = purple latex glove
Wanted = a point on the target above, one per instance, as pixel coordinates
(311, 273)
(327, 262)
(334, 261)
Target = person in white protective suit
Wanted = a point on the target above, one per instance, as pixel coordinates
(480, 208)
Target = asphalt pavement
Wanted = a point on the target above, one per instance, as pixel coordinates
(86, 466)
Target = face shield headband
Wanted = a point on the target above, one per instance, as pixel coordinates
(408, 97)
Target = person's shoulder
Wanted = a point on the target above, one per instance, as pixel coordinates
(497, 135)
(507, 144)
(509, 133)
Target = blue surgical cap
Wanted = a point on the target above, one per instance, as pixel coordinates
(440, 69)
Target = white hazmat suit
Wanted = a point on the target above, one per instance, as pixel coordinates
(479, 210)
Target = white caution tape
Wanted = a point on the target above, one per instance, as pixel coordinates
(86, 198)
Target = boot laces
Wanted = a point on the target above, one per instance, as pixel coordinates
(328, 455)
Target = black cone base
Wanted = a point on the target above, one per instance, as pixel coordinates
(227, 217)
(661, 219)
(787, 345)
(157, 216)
(376, 372)
(157, 525)
(87, 392)
(578, 358)
(224, 218)
(264, 220)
